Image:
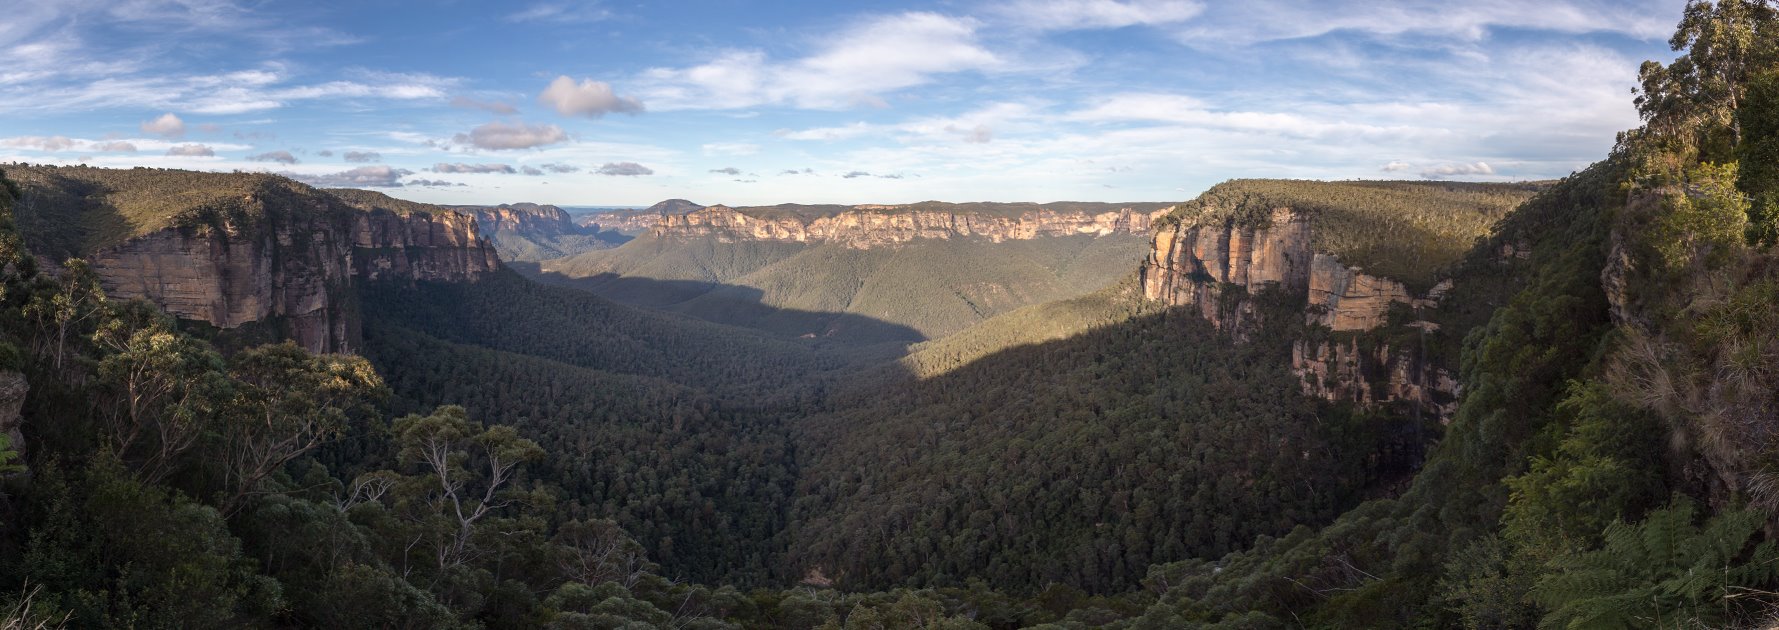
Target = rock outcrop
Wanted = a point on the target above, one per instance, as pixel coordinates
(1215, 268)
(867, 226)
(292, 271)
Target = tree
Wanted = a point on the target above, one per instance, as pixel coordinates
(167, 387)
(287, 402)
(465, 470)
(76, 299)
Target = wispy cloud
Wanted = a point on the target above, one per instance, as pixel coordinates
(857, 66)
(282, 157)
(363, 176)
(495, 107)
(471, 168)
(561, 12)
(1064, 15)
(625, 169)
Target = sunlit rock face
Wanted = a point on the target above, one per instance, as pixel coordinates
(1214, 268)
(295, 271)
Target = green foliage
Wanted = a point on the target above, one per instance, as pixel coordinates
(9, 458)
(72, 210)
(1608, 468)
(1759, 157)
(1704, 226)
(1080, 461)
(925, 289)
(1664, 571)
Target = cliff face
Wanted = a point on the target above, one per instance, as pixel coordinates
(1215, 268)
(291, 272)
(625, 222)
(875, 226)
(529, 218)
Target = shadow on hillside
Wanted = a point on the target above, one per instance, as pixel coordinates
(1148, 440)
(731, 305)
(51, 231)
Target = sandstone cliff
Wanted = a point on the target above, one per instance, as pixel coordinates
(1216, 266)
(529, 218)
(292, 262)
(627, 222)
(867, 226)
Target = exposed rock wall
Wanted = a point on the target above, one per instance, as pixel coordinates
(1342, 371)
(1197, 266)
(292, 272)
(626, 222)
(875, 226)
(529, 218)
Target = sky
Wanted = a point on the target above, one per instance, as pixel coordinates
(748, 103)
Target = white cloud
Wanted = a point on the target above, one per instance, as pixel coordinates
(116, 146)
(361, 156)
(1062, 15)
(495, 107)
(562, 12)
(471, 168)
(191, 150)
(625, 169)
(1271, 20)
(503, 136)
(282, 157)
(363, 176)
(167, 126)
(40, 143)
(1396, 165)
(588, 98)
(854, 67)
(1458, 170)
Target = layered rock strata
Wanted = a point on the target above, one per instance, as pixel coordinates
(291, 272)
(874, 226)
(1214, 268)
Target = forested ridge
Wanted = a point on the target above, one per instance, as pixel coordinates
(507, 453)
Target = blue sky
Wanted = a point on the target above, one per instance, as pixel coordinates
(608, 103)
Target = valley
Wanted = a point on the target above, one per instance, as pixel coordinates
(418, 393)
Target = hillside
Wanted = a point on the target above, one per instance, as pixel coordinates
(924, 289)
(926, 270)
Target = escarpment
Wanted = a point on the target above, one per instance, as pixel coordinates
(868, 226)
(523, 217)
(250, 250)
(1220, 268)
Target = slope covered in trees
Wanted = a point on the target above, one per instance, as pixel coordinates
(925, 289)
(1088, 463)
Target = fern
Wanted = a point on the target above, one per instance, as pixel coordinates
(1662, 572)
